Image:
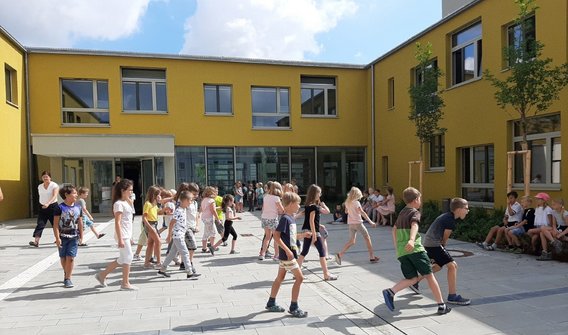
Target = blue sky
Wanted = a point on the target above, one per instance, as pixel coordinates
(340, 31)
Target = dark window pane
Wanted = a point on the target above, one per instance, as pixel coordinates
(86, 117)
(466, 35)
(143, 74)
(220, 169)
(318, 80)
(102, 94)
(284, 101)
(211, 100)
(145, 96)
(271, 121)
(77, 94)
(190, 165)
(303, 168)
(307, 107)
(129, 98)
(161, 98)
(331, 110)
(264, 100)
(225, 103)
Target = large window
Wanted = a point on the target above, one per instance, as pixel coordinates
(303, 168)
(270, 107)
(521, 39)
(543, 136)
(218, 100)
(84, 102)
(466, 54)
(11, 88)
(221, 169)
(478, 173)
(190, 165)
(338, 169)
(319, 96)
(144, 91)
(262, 164)
(437, 151)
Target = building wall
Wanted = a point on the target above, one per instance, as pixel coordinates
(471, 114)
(13, 138)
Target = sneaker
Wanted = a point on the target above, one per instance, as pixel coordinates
(101, 235)
(457, 299)
(445, 309)
(153, 260)
(204, 250)
(136, 258)
(194, 271)
(337, 259)
(518, 250)
(260, 257)
(164, 273)
(34, 244)
(269, 254)
(182, 266)
(193, 276)
(389, 299)
(545, 256)
(67, 283)
(212, 250)
(100, 280)
(557, 246)
(415, 288)
(224, 244)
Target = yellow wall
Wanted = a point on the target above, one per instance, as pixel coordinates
(14, 161)
(472, 116)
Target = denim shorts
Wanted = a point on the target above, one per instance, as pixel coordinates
(68, 247)
(519, 231)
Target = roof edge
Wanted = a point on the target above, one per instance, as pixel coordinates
(12, 39)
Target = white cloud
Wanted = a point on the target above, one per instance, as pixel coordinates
(59, 23)
(267, 29)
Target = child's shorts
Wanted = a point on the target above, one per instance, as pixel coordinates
(416, 263)
(190, 241)
(519, 231)
(87, 222)
(143, 238)
(357, 227)
(289, 265)
(68, 247)
(439, 255)
(269, 223)
(208, 229)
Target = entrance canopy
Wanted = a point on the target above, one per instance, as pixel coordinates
(102, 145)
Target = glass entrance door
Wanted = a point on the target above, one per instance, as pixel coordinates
(147, 174)
(101, 177)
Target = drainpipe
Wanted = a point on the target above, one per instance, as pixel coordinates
(373, 125)
(28, 134)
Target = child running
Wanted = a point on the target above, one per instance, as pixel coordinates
(314, 207)
(227, 205)
(87, 217)
(355, 215)
(123, 210)
(176, 233)
(285, 238)
(68, 230)
(414, 261)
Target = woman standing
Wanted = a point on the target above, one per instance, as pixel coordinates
(48, 201)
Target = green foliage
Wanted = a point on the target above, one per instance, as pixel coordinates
(533, 84)
(426, 102)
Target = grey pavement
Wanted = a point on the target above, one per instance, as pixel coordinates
(511, 294)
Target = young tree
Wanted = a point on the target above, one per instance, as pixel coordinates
(425, 100)
(533, 84)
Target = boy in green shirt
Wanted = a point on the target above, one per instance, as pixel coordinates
(414, 262)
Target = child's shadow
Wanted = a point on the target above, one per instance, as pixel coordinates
(403, 304)
(220, 324)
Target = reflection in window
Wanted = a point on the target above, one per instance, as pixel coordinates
(318, 96)
(303, 168)
(144, 90)
(270, 107)
(338, 170)
(190, 165)
(478, 166)
(521, 37)
(466, 54)
(220, 169)
(262, 164)
(11, 83)
(437, 151)
(85, 101)
(218, 99)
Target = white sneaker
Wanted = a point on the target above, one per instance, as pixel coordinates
(136, 258)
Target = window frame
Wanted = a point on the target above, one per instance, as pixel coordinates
(549, 139)
(11, 85)
(471, 182)
(278, 107)
(326, 88)
(218, 100)
(511, 42)
(95, 109)
(438, 147)
(477, 43)
(153, 81)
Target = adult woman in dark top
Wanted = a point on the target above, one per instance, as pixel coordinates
(313, 209)
(48, 202)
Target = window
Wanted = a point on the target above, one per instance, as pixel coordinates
(218, 99)
(144, 91)
(391, 93)
(318, 96)
(521, 39)
(262, 164)
(478, 173)
(84, 101)
(385, 162)
(270, 107)
(419, 72)
(11, 88)
(543, 136)
(466, 54)
(437, 151)
(221, 169)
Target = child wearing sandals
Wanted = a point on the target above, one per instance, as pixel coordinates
(227, 206)
(355, 215)
(312, 212)
(208, 217)
(285, 238)
(414, 262)
(87, 217)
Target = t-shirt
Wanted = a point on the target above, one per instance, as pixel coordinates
(151, 211)
(46, 194)
(287, 228)
(435, 233)
(191, 215)
(83, 205)
(122, 206)
(269, 207)
(218, 203)
(206, 213)
(353, 213)
(230, 213)
(517, 215)
(404, 222)
(259, 193)
(528, 215)
(560, 217)
(180, 226)
(308, 210)
(69, 216)
(541, 216)
(172, 207)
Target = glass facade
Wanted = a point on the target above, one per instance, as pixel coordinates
(220, 169)
(190, 165)
(262, 164)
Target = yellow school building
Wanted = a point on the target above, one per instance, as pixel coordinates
(87, 116)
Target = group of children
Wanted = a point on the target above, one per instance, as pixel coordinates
(544, 225)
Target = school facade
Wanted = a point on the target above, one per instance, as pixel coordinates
(87, 116)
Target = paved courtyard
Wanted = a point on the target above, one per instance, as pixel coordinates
(511, 294)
